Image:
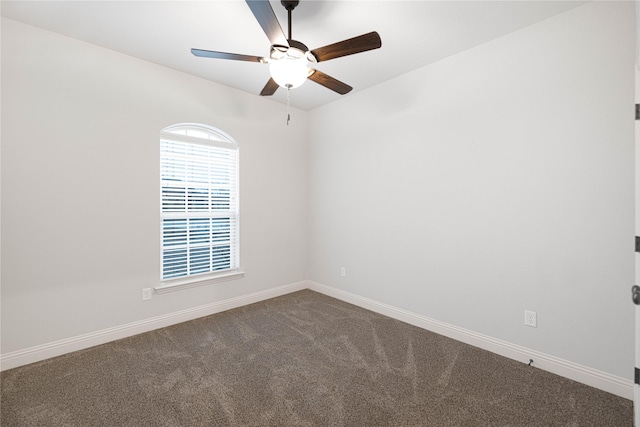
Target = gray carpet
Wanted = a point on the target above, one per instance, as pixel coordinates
(303, 359)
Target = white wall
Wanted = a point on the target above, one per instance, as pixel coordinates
(492, 182)
(80, 186)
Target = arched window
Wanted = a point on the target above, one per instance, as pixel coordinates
(199, 206)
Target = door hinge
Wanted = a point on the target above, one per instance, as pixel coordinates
(637, 376)
(637, 111)
(637, 243)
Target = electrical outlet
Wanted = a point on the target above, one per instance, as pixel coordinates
(146, 294)
(530, 318)
(343, 272)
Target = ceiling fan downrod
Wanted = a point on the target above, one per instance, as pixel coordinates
(289, 5)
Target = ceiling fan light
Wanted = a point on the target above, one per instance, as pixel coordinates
(289, 72)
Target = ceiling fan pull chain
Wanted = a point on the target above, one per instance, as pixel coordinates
(288, 99)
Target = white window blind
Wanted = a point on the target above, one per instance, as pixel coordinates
(199, 201)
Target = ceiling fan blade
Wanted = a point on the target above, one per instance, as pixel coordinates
(225, 55)
(329, 82)
(270, 88)
(266, 17)
(358, 44)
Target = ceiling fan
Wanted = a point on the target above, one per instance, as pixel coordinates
(289, 60)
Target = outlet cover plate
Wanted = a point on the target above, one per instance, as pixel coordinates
(530, 318)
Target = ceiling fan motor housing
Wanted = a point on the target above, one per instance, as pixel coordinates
(295, 49)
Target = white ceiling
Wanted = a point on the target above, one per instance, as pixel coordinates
(414, 34)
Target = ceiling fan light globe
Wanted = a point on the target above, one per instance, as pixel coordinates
(289, 72)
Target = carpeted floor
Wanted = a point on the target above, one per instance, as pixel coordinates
(303, 359)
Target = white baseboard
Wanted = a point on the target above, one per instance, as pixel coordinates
(583, 374)
(58, 348)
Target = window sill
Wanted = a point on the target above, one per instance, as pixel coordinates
(192, 282)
